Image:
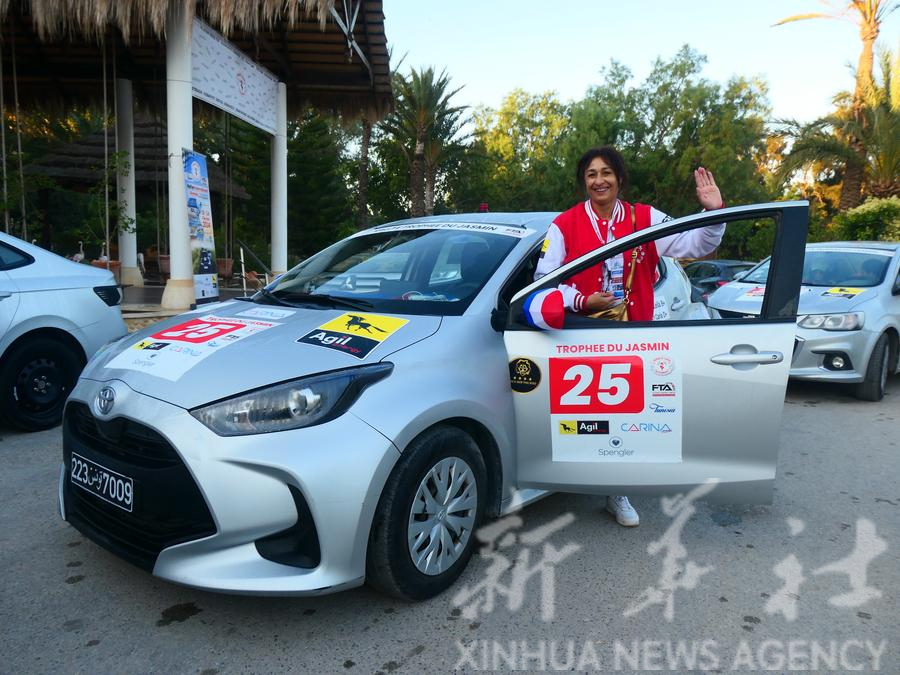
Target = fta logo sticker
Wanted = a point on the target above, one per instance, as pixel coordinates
(354, 334)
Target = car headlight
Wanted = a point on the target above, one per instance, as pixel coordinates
(852, 321)
(291, 405)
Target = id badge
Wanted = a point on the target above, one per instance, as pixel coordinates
(615, 270)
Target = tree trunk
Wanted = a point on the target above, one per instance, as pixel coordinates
(362, 216)
(851, 187)
(417, 178)
(430, 179)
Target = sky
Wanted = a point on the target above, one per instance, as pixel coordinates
(491, 47)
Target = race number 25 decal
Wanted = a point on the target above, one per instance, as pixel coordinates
(197, 331)
(599, 384)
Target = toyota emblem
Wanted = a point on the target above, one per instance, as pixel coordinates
(105, 400)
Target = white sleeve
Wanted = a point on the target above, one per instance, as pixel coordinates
(694, 243)
(553, 252)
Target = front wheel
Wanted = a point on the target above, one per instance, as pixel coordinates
(872, 388)
(35, 380)
(423, 533)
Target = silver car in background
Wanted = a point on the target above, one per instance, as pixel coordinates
(848, 321)
(54, 314)
(358, 418)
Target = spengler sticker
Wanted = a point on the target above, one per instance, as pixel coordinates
(615, 402)
(171, 352)
(356, 334)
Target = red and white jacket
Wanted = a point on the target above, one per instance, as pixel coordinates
(579, 230)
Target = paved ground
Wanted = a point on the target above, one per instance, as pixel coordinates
(68, 606)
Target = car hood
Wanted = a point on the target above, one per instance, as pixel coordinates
(232, 347)
(747, 298)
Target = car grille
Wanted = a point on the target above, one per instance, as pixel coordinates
(168, 506)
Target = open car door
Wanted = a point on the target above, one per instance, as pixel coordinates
(658, 407)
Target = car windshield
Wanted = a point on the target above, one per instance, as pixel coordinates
(834, 267)
(419, 270)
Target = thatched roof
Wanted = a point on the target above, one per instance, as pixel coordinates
(91, 19)
(59, 57)
(81, 163)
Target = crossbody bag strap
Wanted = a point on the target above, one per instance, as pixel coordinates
(633, 257)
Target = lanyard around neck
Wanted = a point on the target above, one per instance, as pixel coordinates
(595, 222)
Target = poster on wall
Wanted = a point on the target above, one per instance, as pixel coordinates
(200, 226)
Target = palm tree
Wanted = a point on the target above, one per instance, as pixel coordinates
(868, 15)
(833, 141)
(422, 117)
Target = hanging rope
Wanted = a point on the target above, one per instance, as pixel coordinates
(105, 158)
(3, 143)
(19, 141)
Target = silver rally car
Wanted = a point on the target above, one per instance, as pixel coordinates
(848, 323)
(359, 418)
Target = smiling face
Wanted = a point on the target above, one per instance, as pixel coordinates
(601, 185)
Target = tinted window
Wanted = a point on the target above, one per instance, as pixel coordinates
(835, 267)
(11, 258)
(406, 271)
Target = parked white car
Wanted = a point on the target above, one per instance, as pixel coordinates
(54, 315)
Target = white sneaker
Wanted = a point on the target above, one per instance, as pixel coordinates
(624, 512)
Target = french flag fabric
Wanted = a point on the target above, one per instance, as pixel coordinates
(545, 309)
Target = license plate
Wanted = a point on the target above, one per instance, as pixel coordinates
(109, 485)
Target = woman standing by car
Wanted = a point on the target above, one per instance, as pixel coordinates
(602, 218)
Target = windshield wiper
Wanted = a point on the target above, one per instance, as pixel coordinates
(333, 300)
(274, 299)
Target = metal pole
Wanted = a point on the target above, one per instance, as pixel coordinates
(105, 162)
(279, 184)
(3, 143)
(19, 141)
(243, 272)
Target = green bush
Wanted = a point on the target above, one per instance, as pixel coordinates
(874, 219)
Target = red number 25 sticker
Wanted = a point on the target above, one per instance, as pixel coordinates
(601, 384)
(197, 331)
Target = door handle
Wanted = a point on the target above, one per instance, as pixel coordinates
(677, 304)
(756, 358)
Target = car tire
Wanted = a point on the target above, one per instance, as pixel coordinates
(872, 388)
(36, 378)
(427, 466)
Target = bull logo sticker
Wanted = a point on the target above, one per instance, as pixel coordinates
(841, 292)
(356, 334)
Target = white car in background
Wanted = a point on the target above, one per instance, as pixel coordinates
(54, 315)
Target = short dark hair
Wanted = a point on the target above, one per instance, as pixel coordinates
(613, 159)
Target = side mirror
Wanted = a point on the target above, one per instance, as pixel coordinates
(696, 295)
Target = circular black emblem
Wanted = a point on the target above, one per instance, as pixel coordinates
(524, 375)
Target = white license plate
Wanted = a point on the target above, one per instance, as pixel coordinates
(107, 484)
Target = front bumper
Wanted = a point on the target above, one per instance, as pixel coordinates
(249, 486)
(813, 347)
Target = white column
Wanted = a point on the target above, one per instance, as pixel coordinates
(125, 185)
(179, 292)
(279, 185)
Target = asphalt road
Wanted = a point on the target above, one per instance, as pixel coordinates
(741, 588)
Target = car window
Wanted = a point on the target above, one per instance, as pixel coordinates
(418, 270)
(11, 258)
(676, 300)
(844, 267)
